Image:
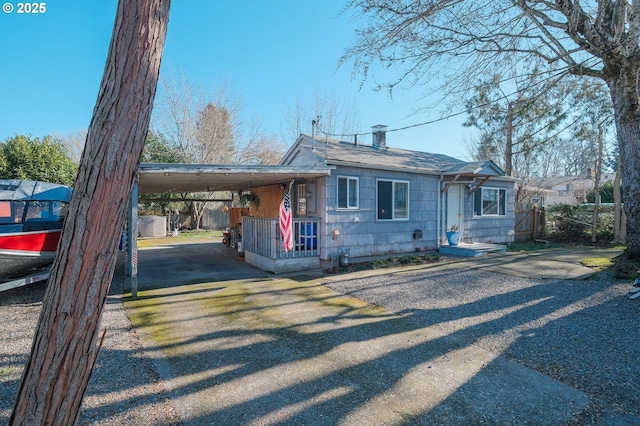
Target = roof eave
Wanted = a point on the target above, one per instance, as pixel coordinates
(331, 162)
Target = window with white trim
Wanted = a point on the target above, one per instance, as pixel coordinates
(347, 192)
(393, 199)
(490, 202)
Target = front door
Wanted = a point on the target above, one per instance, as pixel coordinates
(455, 207)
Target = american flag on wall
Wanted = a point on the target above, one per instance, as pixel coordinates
(286, 221)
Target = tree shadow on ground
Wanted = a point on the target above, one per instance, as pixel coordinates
(326, 368)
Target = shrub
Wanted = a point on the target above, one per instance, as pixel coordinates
(572, 223)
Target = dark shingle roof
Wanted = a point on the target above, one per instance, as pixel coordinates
(336, 152)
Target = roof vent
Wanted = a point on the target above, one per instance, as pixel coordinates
(379, 136)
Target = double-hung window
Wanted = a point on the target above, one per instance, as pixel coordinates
(393, 199)
(347, 192)
(490, 202)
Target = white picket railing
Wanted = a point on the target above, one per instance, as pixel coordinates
(261, 236)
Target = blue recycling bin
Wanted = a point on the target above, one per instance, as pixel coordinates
(309, 235)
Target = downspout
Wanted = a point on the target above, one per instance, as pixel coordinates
(439, 212)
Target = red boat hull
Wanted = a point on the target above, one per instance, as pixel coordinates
(36, 241)
(26, 250)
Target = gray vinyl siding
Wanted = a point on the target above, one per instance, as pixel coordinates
(490, 229)
(359, 229)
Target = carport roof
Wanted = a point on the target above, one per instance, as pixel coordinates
(155, 178)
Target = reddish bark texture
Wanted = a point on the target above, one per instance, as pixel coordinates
(66, 343)
(624, 95)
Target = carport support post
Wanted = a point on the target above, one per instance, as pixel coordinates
(132, 243)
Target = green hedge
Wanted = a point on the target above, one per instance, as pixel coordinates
(573, 222)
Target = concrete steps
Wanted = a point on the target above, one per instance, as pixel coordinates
(471, 249)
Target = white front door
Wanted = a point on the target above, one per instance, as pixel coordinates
(455, 207)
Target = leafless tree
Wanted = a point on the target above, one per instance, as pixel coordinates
(67, 339)
(455, 41)
(201, 121)
(214, 135)
(337, 118)
(255, 146)
(210, 126)
(74, 142)
(175, 112)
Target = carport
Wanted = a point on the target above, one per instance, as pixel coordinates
(154, 178)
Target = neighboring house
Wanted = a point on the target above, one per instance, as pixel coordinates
(379, 200)
(565, 189)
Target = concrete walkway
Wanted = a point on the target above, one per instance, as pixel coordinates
(235, 345)
(550, 263)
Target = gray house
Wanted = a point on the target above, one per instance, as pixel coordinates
(379, 200)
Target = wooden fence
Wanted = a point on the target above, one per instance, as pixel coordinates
(530, 224)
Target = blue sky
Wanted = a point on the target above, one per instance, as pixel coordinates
(272, 52)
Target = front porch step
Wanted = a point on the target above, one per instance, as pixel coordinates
(471, 249)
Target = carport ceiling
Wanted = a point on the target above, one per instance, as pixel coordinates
(180, 178)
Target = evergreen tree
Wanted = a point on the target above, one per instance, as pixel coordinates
(46, 159)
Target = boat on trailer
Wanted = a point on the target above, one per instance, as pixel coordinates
(31, 218)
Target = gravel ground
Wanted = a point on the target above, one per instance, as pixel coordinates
(582, 333)
(124, 388)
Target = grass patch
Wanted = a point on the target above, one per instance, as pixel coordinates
(230, 302)
(598, 263)
(6, 371)
(182, 237)
(554, 366)
(313, 291)
(199, 234)
(390, 262)
(528, 246)
(146, 313)
(407, 416)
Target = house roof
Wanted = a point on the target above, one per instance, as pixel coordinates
(553, 181)
(336, 152)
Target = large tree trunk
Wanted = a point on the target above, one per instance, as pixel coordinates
(596, 189)
(618, 223)
(66, 345)
(624, 95)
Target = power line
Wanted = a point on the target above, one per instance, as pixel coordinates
(436, 120)
(553, 75)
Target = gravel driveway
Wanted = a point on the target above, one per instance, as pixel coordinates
(582, 333)
(124, 388)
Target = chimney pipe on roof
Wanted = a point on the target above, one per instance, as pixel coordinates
(379, 136)
(314, 123)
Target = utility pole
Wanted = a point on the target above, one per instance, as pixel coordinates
(508, 151)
